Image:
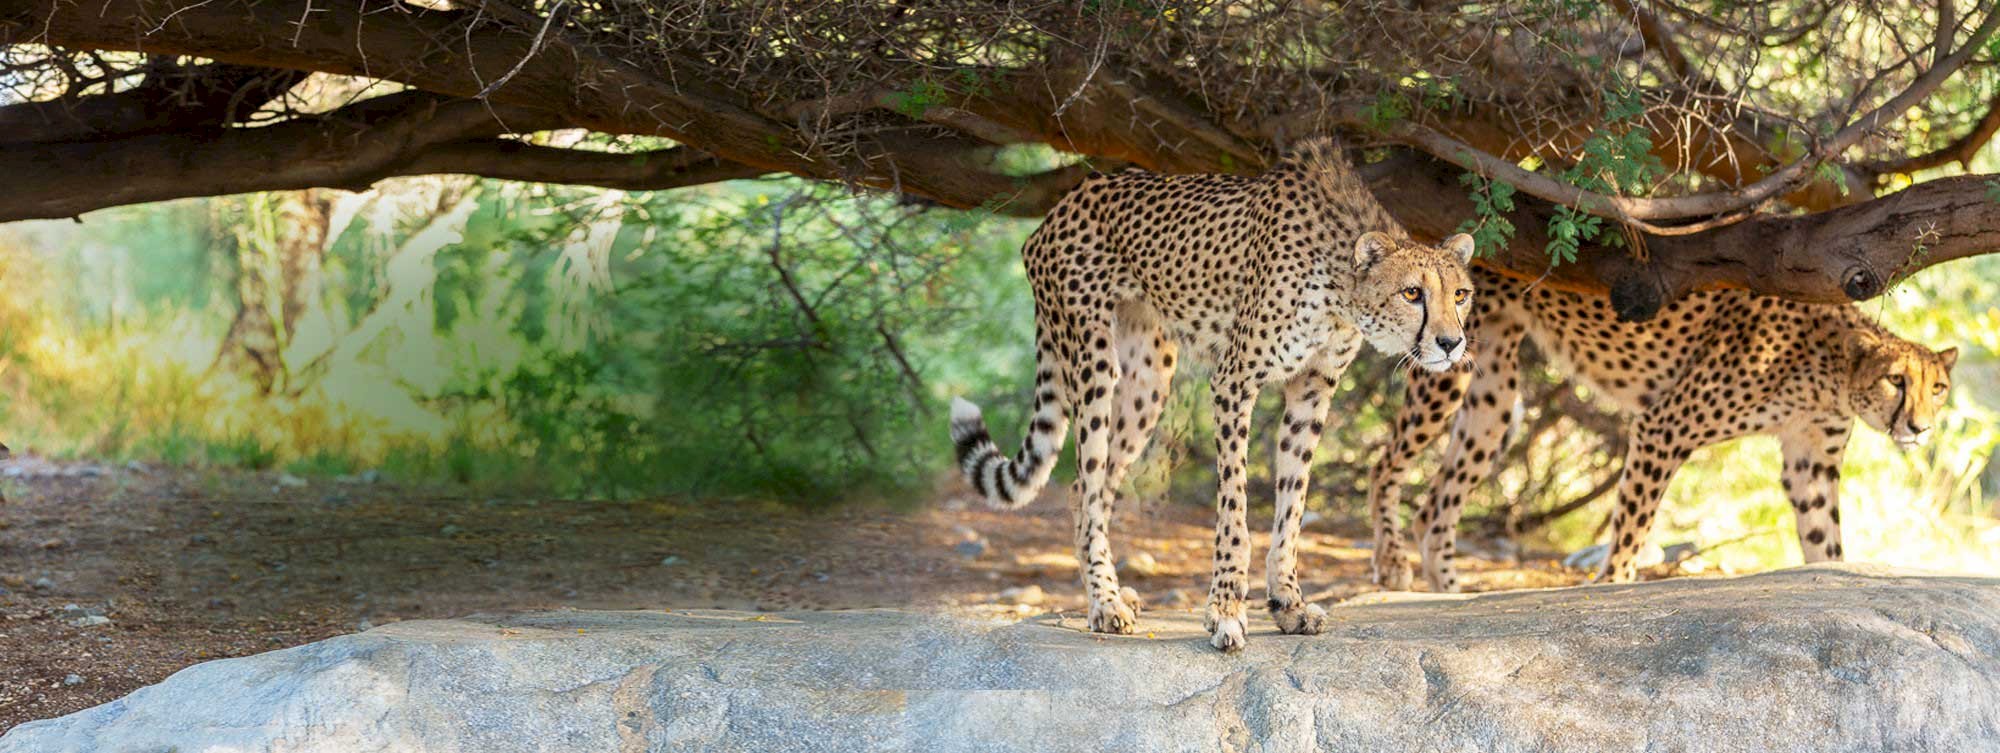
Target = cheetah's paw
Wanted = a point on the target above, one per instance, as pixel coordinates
(1131, 599)
(1113, 616)
(1300, 619)
(1393, 573)
(1227, 635)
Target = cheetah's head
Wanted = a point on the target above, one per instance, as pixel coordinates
(1897, 386)
(1412, 299)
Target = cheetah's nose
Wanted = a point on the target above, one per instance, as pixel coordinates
(1447, 343)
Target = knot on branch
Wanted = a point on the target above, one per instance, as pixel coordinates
(1861, 283)
(1636, 298)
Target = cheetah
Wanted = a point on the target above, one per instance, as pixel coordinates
(1274, 278)
(1711, 367)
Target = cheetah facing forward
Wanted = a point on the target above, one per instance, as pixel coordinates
(1712, 367)
(1274, 278)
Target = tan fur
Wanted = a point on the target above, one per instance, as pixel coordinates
(1278, 278)
(1711, 367)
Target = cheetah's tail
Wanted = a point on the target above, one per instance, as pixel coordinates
(1009, 483)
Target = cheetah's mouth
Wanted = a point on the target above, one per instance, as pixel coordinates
(1434, 365)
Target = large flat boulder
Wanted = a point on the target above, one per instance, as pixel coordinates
(1814, 659)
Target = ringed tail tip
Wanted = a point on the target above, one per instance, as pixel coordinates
(963, 410)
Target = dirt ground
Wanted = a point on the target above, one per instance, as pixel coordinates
(192, 565)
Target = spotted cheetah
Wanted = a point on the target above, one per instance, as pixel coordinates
(1276, 278)
(1709, 368)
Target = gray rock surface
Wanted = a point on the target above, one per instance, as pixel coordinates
(1814, 659)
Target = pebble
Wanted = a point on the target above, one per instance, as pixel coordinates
(44, 584)
(291, 481)
(1029, 595)
(1140, 563)
(971, 544)
(971, 549)
(670, 560)
(90, 621)
(73, 680)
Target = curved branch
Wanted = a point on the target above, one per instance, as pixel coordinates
(1960, 150)
(1740, 202)
(172, 98)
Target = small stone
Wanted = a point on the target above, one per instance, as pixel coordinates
(971, 545)
(290, 481)
(671, 560)
(971, 549)
(90, 621)
(1029, 595)
(1140, 563)
(74, 612)
(44, 584)
(364, 625)
(51, 544)
(73, 680)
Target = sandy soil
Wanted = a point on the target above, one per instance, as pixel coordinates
(192, 565)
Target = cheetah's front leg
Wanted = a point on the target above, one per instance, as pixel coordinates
(1228, 579)
(1306, 399)
(1812, 452)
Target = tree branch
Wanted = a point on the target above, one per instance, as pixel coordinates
(1837, 256)
(167, 99)
(1961, 150)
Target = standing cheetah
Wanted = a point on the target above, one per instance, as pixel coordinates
(1711, 367)
(1275, 278)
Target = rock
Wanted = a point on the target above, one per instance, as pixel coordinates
(44, 584)
(73, 680)
(1824, 658)
(1140, 563)
(1029, 595)
(971, 545)
(290, 481)
(670, 560)
(90, 621)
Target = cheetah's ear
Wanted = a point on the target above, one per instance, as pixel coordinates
(1949, 356)
(1371, 248)
(1463, 246)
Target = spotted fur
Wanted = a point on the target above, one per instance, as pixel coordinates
(1709, 368)
(1277, 278)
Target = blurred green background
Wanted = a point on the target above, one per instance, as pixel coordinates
(770, 339)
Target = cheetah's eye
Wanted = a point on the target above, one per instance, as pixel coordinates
(1937, 390)
(1897, 381)
(1413, 294)
(1461, 295)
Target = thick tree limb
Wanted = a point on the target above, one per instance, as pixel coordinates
(349, 148)
(1840, 255)
(169, 98)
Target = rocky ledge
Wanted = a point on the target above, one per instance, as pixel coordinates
(1814, 659)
